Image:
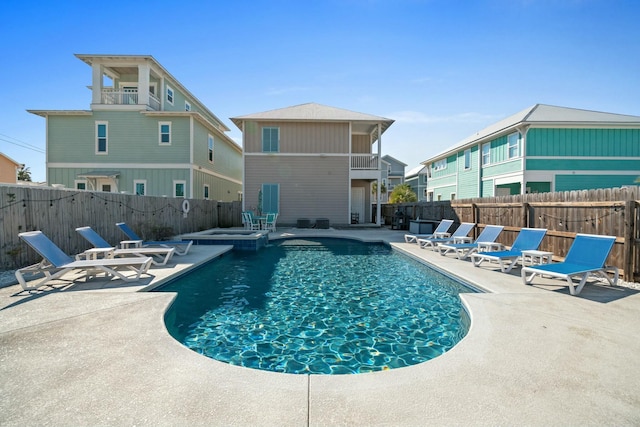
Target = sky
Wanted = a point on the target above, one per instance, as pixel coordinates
(442, 69)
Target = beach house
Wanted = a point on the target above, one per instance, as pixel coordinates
(144, 134)
(312, 161)
(8, 169)
(542, 148)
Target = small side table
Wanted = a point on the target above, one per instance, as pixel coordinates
(126, 244)
(533, 257)
(462, 239)
(96, 253)
(441, 234)
(489, 246)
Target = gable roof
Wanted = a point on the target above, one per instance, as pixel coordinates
(540, 114)
(416, 171)
(389, 159)
(11, 160)
(312, 112)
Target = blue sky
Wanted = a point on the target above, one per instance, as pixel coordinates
(441, 69)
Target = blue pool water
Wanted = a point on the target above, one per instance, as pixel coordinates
(317, 306)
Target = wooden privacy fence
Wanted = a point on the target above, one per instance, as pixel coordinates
(58, 212)
(613, 212)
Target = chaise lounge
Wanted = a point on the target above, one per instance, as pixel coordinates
(586, 257)
(463, 250)
(440, 231)
(527, 239)
(461, 232)
(182, 246)
(160, 256)
(56, 263)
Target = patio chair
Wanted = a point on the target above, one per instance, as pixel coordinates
(527, 239)
(461, 231)
(587, 256)
(56, 263)
(440, 230)
(181, 246)
(250, 221)
(160, 256)
(463, 250)
(270, 222)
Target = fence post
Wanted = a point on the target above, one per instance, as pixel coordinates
(629, 240)
(525, 215)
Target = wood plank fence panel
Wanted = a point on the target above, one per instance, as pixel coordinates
(58, 212)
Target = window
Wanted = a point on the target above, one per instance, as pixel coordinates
(467, 159)
(169, 95)
(210, 147)
(270, 140)
(514, 145)
(430, 196)
(140, 187)
(102, 135)
(179, 188)
(81, 185)
(164, 129)
(440, 165)
(486, 154)
(106, 188)
(187, 106)
(206, 192)
(453, 196)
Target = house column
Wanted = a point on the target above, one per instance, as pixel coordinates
(378, 213)
(97, 72)
(143, 84)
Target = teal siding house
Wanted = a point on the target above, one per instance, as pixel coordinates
(543, 148)
(144, 134)
(416, 178)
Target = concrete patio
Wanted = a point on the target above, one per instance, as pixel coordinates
(98, 354)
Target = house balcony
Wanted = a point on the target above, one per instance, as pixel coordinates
(127, 97)
(365, 166)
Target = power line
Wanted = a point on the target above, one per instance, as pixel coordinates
(22, 144)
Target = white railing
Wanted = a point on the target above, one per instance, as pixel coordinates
(364, 161)
(127, 97)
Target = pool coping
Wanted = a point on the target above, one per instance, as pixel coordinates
(100, 355)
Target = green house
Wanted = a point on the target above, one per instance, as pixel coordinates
(144, 134)
(540, 149)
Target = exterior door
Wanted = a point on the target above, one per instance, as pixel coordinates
(357, 203)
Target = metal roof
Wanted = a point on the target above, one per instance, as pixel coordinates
(542, 114)
(312, 112)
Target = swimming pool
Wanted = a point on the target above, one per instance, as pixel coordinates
(317, 306)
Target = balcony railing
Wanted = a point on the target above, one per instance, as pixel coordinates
(127, 97)
(364, 161)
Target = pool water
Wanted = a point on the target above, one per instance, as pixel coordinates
(317, 306)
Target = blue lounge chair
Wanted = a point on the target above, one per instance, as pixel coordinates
(441, 229)
(182, 246)
(587, 256)
(461, 231)
(528, 239)
(56, 263)
(160, 256)
(463, 250)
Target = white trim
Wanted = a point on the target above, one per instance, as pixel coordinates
(160, 124)
(80, 181)
(187, 105)
(140, 181)
(302, 154)
(217, 175)
(183, 182)
(580, 158)
(105, 166)
(517, 146)
(106, 137)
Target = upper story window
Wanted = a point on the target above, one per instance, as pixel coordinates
(513, 141)
(467, 159)
(169, 95)
(210, 147)
(270, 140)
(140, 187)
(102, 136)
(206, 192)
(486, 153)
(164, 129)
(187, 106)
(440, 165)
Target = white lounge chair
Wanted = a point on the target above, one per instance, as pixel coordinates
(586, 257)
(463, 250)
(461, 231)
(182, 246)
(160, 256)
(56, 263)
(528, 239)
(440, 231)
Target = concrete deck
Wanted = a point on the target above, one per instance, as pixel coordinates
(99, 354)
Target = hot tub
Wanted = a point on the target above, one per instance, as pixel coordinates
(243, 240)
